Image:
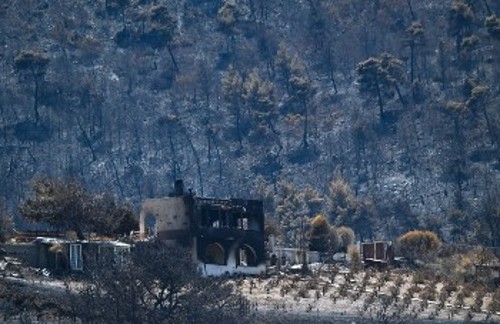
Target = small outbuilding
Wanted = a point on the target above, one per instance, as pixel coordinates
(62, 254)
(377, 253)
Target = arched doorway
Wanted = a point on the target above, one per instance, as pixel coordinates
(214, 254)
(248, 257)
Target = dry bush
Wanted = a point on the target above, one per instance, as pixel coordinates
(478, 301)
(369, 300)
(322, 236)
(386, 276)
(312, 284)
(413, 290)
(158, 283)
(399, 281)
(449, 287)
(385, 301)
(355, 296)
(346, 236)
(468, 289)
(295, 281)
(459, 299)
(428, 293)
(303, 292)
(494, 305)
(418, 278)
(482, 255)
(424, 304)
(334, 297)
(463, 267)
(394, 292)
(334, 271)
(344, 289)
(421, 245)
(469, 316)
(349, 276)
(407, 299)
(366, 279)
(324, 289)
(29, 304)
(443, 297)
(423, 276)
(355, 258)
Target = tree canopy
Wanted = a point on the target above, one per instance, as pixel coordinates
(5, 221)
(67, 205)
(322, 236)
(34, 64)
(379, 76)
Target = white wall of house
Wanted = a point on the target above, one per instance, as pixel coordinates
(294, 256)
(220, 270)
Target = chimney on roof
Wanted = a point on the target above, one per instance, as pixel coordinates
(179, 188)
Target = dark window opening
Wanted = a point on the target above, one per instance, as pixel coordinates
(150, 224)
(274, 260)
(223, 216)
(214, 254)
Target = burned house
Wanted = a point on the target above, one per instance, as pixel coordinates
(226, 236)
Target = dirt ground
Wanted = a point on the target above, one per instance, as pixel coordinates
(368, 295)
(333, 294)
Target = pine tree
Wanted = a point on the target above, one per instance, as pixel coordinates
(379, 77)
(33, 64)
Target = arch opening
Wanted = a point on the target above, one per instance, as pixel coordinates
(248, 257)
(215, 254)
(274, 260)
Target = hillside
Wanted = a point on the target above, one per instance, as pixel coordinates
(397, 99)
